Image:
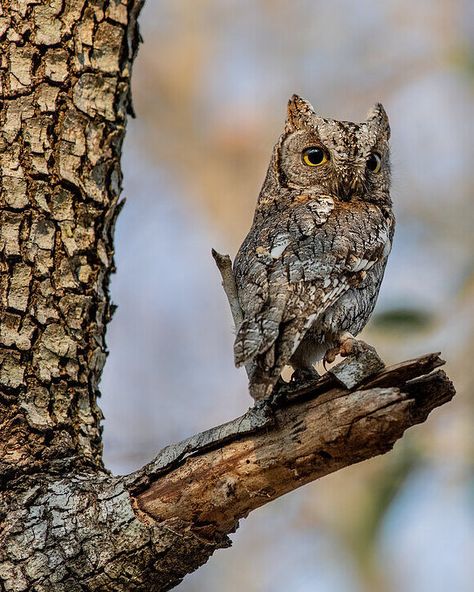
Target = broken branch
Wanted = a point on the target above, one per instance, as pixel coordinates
(215, 478)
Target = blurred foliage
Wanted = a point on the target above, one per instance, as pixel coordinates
(402, 319)
(384, 487)
(210, 87)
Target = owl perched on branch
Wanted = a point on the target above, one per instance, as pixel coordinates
(309, 271)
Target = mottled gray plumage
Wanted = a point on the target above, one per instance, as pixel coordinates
(310, 269)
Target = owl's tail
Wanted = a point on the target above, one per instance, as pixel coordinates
(262, 382)
(254, 348)
(265, 347)
(254, 337)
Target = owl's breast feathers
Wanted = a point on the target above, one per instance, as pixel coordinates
(291, 269)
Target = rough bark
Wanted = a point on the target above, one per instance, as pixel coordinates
(86, 530)
(65, 90)
(65, 523)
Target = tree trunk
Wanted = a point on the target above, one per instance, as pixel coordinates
(66, 524)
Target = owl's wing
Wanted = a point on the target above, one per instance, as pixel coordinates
(291, 297)
(289, 275)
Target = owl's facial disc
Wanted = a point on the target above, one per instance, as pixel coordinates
(338, 158)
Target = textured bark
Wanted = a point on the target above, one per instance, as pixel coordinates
(65, 89)
(66, 525)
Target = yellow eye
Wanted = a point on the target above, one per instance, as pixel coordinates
(314, 156)
(374, 162)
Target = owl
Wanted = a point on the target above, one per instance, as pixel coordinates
(310, 269)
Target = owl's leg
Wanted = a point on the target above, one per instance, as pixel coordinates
(306, 355)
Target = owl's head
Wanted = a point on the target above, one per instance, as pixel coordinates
(338, 158)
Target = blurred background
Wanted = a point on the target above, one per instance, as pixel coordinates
(210, 87)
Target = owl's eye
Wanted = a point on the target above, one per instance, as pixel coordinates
(374, 162)
(314, 156)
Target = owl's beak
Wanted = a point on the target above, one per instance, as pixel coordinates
(348, 189)
(346, 193)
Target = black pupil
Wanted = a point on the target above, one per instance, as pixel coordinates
(315, 155)
(372, 162)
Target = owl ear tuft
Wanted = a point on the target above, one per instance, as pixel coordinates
(300, 114)
(377, 118)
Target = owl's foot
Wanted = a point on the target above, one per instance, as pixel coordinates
(362, 363)
(348, 345)
(305, 375)
(301, 379)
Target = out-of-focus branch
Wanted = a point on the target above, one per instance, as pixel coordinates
(207, 483)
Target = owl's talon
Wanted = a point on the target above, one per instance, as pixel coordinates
(354, 347)
(330, 356)
(349, 346)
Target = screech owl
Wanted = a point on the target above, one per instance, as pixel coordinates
(309, 271)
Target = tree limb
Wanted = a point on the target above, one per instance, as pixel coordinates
(215, 478)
